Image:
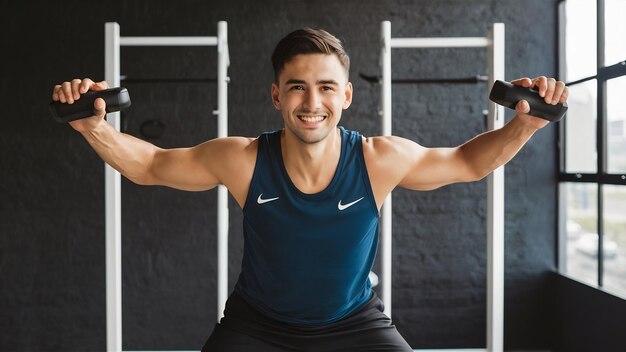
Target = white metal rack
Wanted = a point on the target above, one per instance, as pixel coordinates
(494, 43)
(113, 42)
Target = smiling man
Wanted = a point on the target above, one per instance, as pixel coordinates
(310, 195)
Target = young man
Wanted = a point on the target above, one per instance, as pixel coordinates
(310, 195)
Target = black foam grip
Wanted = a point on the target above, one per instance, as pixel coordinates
(116, 99)
(508, 95)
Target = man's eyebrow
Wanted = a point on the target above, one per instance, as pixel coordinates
(295, 81)
(324, 81)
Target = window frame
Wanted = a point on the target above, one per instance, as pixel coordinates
(601, 177)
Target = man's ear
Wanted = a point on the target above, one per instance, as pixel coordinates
(348, 93)
(275, 94)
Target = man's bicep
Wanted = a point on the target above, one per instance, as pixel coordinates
(191, 169)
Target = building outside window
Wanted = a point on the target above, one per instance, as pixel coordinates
(592, 143)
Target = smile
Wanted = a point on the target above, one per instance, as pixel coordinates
(311, 119)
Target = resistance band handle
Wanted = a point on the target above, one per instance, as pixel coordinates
(116, 99)
(507, 94)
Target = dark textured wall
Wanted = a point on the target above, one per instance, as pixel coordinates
(52, 196)
(586, 319)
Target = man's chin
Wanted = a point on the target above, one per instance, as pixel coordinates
(311, 138)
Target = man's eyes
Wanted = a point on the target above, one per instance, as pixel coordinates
(323, 88)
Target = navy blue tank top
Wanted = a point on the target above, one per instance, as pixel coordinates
(307, 257)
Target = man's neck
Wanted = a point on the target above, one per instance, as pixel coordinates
(312, 166)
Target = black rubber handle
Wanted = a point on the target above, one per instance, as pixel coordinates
(116, 99)
(507, 94)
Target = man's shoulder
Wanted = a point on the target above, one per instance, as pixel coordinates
(246, 145)
(238, 142)
(231, 148)
(383, 144)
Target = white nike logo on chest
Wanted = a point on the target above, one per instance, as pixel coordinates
(261, 200)
(346, 206)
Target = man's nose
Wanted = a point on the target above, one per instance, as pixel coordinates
(312, 100)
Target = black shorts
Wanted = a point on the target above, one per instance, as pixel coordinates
(244, 329)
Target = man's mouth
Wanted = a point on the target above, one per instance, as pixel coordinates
(311, 118)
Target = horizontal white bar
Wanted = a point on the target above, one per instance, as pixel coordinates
(448, 350)
(454, 350)
(436, 350)
(435, 42)
(168, 41)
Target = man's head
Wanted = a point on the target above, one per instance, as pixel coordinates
(311, 85)
(308, 41)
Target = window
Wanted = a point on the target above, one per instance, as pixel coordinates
(592, 178)
(616, 121)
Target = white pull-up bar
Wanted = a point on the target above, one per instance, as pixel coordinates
(467, 42)
(495, 182)
(168, 41)
(113, 42)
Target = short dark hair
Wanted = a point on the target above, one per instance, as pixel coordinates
(307, 41)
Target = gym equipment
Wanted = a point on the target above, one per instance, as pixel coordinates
(113, 193)
(494, 43)
(507, 95)
(116, 99)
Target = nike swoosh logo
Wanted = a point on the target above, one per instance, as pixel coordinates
(346, 206)
(261, 200)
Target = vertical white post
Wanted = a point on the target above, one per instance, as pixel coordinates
(113, 204)
(495, 206)
(385, 218)
(223, 62)
(562, 208)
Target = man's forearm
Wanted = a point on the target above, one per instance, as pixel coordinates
(130, 156)
(489, 150)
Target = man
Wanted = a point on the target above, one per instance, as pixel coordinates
(310, 195)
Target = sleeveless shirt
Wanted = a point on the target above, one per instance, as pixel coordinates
(307, 257)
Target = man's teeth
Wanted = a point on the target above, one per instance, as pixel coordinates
(311, 118)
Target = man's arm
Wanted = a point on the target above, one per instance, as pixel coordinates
(197, 168)
(432, 168)
(194, 169)
(395, 161)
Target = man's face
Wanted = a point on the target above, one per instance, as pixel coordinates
(312, 91)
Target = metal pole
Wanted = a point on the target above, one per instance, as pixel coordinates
(562, 189)
(495, 206)
(385, 217)
(222, 194)
(168, 41)
(437, 42)
(601, 140)
(113, 204)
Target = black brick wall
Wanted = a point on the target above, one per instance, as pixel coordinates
(52, 295)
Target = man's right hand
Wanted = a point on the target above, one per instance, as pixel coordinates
(68, 92)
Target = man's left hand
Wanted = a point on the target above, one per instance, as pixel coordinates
(551, 90)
